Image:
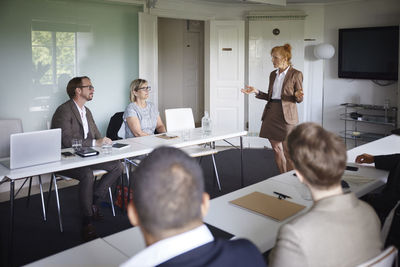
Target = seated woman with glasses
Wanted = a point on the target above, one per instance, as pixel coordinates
(141, 117)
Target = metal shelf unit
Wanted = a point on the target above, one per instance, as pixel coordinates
(355, 114)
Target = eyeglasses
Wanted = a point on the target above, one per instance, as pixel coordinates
(147, 88)
(88, 86)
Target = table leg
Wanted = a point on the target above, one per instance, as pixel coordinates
(11, 234)
(241, 162)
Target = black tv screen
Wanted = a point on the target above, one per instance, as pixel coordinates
(369, 53)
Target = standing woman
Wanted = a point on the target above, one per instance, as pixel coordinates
(280, 113)
(141, 117)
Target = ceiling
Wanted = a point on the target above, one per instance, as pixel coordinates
(265, 1)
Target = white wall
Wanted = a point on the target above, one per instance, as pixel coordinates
(355, 14)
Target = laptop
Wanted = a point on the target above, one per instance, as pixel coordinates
(33, 148)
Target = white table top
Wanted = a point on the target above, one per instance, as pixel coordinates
(138, 146)
(129, 241)
(195, 137)
(94, 253)
(262, 230)
(384, 146)
(66, 163)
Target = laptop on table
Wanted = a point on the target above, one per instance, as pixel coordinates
(34, 148)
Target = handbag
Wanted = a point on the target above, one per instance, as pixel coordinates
(118, 201)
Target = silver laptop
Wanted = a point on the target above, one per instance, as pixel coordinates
(33, 148)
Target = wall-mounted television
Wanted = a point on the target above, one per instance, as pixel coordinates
(369, 53)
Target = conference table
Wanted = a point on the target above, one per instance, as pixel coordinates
(241, 223)
(137, 146)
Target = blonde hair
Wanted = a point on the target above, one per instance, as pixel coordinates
(285, 51)
(134, 87)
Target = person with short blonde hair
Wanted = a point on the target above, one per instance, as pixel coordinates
(141, 117)
(339, 229)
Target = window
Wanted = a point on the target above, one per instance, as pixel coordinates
(53, 55)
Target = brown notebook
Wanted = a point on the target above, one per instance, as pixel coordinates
(278, 209)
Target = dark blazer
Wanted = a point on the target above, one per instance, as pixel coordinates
(220, 252)
(68, 118)
(293, 82)
(387, 199)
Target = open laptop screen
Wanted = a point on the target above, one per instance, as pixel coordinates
(33, 148)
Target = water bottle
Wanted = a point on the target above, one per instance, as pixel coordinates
(386, 107)
(206, 124)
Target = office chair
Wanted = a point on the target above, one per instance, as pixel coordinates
(114, 126)
(8, 127)
(180, 119)
(385, 259)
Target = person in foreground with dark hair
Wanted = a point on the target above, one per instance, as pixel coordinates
(339, 229)
(169, 204)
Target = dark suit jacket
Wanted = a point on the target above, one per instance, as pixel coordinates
(219, 253)
(68, 118)
(293, 82)
(387, 199)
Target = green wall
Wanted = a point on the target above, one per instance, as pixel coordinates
(106, 50)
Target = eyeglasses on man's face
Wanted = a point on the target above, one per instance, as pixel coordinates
(145, 88)
(88, 86)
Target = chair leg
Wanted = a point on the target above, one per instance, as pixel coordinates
(216, 171)
(29, 192)
(42, 197)
(58, 204)
(111, 201)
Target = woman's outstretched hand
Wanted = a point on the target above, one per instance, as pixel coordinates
(249, 90)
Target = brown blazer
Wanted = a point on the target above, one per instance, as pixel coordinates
(292, 83)
(68, 118)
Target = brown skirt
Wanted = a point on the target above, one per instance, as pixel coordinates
(274, 126)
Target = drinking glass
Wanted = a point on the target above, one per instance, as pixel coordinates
(76, 144)
(106, 148)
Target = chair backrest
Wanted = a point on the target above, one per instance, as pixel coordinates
(114, 125)
(178, 119)
(384, 259)
(121, 132)
(8, 127)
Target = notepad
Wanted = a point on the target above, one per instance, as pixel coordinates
(166, 136)
(277, 209)
(87, 152)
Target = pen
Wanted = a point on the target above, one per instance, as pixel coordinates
(282, 196)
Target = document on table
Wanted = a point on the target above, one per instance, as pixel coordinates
(277, 209)
(356, 179)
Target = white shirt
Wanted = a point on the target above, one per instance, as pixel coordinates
(277, 88)
(82, 112)
(171, 247)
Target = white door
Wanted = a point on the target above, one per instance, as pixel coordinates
(193, 95)
(148, 53)
(261, 41)
(224, 73)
